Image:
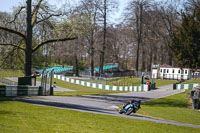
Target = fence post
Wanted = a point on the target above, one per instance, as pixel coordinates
(51, 81)
(174, 86)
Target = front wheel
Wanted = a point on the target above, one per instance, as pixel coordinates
(129, 111)
(121, 111)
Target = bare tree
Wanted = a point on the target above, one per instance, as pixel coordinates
(102, 52)
(134, 16)
(33, 17)
(168, 18)
(108, 7)
(89, 13)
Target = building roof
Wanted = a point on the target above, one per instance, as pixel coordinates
(168, 66)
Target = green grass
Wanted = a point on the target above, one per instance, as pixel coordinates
(175, 107)
(79, 89)
(26, 118)
(2, 83)
(118, 81)
(10, 73)
(83, 90)
(192, 81)
(126, 81)
(160, 82)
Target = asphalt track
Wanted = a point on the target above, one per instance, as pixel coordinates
(106, 104)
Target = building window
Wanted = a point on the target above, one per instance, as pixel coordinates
(164, 70)
(172, 70)
(185, 71)
(182, 72)
(167, 70)
(179, 71)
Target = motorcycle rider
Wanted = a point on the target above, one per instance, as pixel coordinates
(131, 106)
(135, 103)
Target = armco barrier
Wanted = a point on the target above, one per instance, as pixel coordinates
(102, 86)
(184, 86)
(18, 90)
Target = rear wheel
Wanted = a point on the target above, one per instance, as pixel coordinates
(129, 111)
(134, 111)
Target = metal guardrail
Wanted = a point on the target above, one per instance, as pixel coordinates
(19, 90)
(46, 82)
(8, 82)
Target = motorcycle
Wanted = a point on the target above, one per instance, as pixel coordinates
(131, 107)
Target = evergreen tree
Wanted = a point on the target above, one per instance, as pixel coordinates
(186, 38)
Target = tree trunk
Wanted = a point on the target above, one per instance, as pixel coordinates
(28, 52)
(100, 64)
(139, 35)
(12, 60)
(92, 64)
(92, 56)
(161, 56)
(150, 61)
(143, 60)
(155, 57)
(46, 57)
(170, 61)
(104, 39)
(137, 57)
(76, 65)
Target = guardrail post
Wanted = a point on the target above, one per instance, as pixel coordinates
(174, 86)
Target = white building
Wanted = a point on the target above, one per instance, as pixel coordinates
(171, 73)
(196, 74)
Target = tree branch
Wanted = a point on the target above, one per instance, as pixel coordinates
(35, 11)
(52, 40)
(13, 31)
(8, 54)
(17, 13)
(51, 15)
(14, 46)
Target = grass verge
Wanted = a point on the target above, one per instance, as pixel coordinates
(130, 82)
(175, 107)
(80, 90)
(10, 73)
(27, 118)
(160, 82)
(127, 81)
(83, 90)
(192, 81)
(2, 83)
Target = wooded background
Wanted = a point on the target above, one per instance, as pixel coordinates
(38, 35)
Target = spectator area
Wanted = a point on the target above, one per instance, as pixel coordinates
(107, 67)
(57, 69)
